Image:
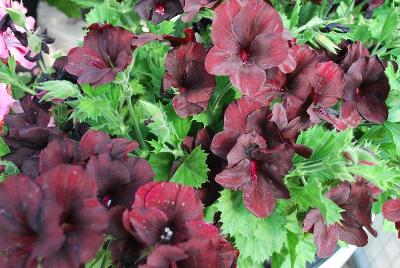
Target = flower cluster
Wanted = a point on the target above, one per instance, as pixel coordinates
(55, 220)
(169, 218)
(13, 38)
(356, 201)
(137, 152)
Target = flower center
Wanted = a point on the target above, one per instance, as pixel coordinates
(106, 201)
(253, 170)
(358, 92)
(160, 9)
(244, 55)
(166, 236)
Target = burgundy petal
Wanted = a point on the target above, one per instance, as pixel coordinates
(391, 210)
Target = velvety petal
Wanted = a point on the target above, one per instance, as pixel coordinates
(111, 175)
(391, 210)
(249, 79)
(81, 59)
(279, 116)
(255, 18)
(223, 142)
(61, 151)
(163, 256)
(259, 197)
(202, 229)
(240, 150)
(329, 84)
(201, 253)
(65, 184)
(172, 199)
(235, 177)
(269, 50)
(28, 224)
(185, 109)
(149, 223)
(93, 143)
(354, 52)
(220, 62)
(236, 114)
(352, 235)
(120, 147)
(378, 115)
(222, 34)
(325, 238)
(340, 194)
(312, 217)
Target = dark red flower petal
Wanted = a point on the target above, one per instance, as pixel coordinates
(329, 84)
(83, 219)
(106, 51)
(325, 238)
(391, 210)
(164, 256)
(60, 151)
(29, 226)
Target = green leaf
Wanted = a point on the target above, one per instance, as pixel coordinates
(17, 17)
(390, 25)
(223, 95)
(325, 143)
(102, 260)
(162, 165)
(256, 238)
(294, 17)
(193, 171)
(4, 150)
(159, 125)
(70, 8)
(181, 125)
(34, 43)
(311, 196)
(58, 89)
(91, 108)
(394, 129)
(10, 169)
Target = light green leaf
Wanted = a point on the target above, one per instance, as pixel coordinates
(193, 171)
(58, 89)
(159, 125)
(311, 196)
(394, 129)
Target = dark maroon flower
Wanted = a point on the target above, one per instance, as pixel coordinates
(29, 227)
(248, 39)
(198, 252)
(28, 134)
(356, 200)
(83, 219)
(157, 11)
(60, 151)
(203, 249)
(106, 51)
(257, 154)
(391, 211)
(192, 8)
(185, 71)
(367, 89)
(118, 180)
(161, 213)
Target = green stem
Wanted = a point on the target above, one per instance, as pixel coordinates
(136, 127)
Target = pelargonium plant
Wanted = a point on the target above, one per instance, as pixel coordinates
(197, 134)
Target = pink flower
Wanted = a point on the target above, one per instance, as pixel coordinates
(6, 101)
(9, 44)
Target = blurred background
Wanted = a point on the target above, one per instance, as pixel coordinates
(381, 252)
